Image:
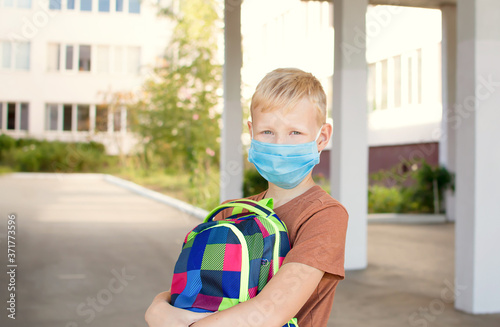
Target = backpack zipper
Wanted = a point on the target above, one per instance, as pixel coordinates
(245, 258)
(276, 251)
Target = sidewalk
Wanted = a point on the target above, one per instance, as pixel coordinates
(409, 282)
(91, 253)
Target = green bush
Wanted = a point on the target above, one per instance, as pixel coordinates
(30, 155)
(253, 183)
(6, 143)
(418, 190)
(431, 184)
(383, 199)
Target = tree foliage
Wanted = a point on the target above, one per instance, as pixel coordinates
(177, 114)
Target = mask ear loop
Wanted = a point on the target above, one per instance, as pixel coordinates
(317, 136)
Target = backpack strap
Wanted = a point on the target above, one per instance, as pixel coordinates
(262, 209)
(269, 203)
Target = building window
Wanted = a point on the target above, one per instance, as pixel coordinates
(133, 60)
(17, 115)
(6, 55)
(102, 64)
(118, 60)
(397, 81)
(22, 56)
(1, 116)
(83, 118)
(51, 114)
(84, 58)
(67, 117)
(25, 4)
(55, 4)
(69, 57)
(86, 5)
(119, 5)
(410, 80)
(74, 117)
(117, 120)
(24, 116)
(104, 5)
(385, 84)
(372, 102)
(70, 5)
(134, 6)
(419, 76)
(101, 118)
(11, 116)
(53, 57)
(15, 55)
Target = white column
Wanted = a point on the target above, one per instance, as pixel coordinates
(92, 116)
(349, 155)
(447, 142)
(231, 160)
(478, 157)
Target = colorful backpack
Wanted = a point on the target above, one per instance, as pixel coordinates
(229, 261)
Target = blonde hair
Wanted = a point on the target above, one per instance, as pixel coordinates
(284, 88)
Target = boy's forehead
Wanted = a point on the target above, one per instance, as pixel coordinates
(303, 112)
(303, 108)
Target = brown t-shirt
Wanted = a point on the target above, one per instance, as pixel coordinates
(317, 225)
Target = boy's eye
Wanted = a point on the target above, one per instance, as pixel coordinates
(267, 132)
(296, 133)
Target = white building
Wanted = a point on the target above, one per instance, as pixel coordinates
(62, 62)
(404, 84)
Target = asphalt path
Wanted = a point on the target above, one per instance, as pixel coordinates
(88, 253)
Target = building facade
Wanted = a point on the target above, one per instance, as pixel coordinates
(65, 66)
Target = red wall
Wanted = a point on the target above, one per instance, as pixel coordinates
(386, 157)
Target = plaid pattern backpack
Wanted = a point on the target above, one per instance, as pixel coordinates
(223, 263)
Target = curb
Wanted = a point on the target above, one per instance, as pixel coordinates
(130, 186)
(59, 176)
(394, 218)
(162, 198)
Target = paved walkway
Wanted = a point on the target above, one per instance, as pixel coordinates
(90, 253)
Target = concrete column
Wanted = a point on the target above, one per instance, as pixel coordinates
(447, 143)
(231, 161)
(477, 116)
(349, 155)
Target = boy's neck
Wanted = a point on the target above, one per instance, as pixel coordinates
(282, 196)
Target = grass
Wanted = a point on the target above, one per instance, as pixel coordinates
(6, 170)
(201, 190)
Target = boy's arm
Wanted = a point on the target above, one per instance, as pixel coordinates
(276, 304)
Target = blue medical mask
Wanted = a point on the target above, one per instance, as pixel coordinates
(285, 165)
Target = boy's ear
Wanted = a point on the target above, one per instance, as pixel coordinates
(324, 136)
(250, 130)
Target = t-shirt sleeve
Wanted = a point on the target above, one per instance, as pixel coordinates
(320, 241)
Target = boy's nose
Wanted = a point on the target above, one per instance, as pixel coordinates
(280, 139)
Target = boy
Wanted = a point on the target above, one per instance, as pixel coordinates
(289, 131)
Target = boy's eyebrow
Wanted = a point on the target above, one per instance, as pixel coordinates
(263, 127)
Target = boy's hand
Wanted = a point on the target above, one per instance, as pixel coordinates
(161, 314)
